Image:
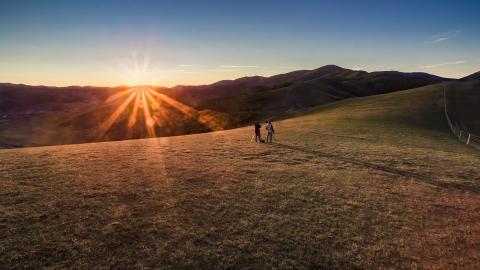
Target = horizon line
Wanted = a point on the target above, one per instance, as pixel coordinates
(177, 85)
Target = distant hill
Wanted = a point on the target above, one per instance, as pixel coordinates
(41, 115)
(255, 98)
(358, 83)
(474, 76)
(26, 98)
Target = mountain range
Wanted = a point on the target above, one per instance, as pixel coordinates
(41, 115)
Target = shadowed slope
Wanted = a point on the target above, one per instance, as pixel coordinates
(474, 76)
(464, 101)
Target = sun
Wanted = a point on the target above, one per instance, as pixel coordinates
(140, 77)
(136, 70)
(147, 103)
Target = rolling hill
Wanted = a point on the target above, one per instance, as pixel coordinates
(363, 183)
(358, 83)
(34, 116)
(474, 76)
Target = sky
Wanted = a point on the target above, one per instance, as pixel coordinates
(110, 43)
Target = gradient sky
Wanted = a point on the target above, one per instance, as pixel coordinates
(110, 43)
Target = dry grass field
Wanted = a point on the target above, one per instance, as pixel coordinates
(374, 182)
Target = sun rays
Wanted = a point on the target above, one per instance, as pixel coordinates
(134, 71)
(187, 110)
(142, 111)
(147, 105)
(111, 120)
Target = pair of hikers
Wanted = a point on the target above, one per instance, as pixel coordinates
(270, 131)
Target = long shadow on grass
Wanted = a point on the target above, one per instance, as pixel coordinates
(342, 136)
(8, 146)
(423, 178)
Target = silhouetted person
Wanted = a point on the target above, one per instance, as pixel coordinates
(257, 132)
(270, 132)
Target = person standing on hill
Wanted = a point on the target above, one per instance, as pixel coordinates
(270, 132)
(258, 138)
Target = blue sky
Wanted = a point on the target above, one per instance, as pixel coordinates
(196, 42)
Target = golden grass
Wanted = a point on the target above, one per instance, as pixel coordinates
(334, 191)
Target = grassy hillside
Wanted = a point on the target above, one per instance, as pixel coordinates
(375, 182)
(278, 95)
(357, 83)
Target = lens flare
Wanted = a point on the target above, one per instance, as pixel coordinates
(147, 104)
(111, 120)
(147, 99)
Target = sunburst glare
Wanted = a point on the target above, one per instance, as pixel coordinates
(147, 99)
(145, 107)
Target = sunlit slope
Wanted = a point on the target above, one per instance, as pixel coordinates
(376, 182)
(412, 117)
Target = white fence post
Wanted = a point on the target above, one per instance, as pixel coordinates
(456, 129)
